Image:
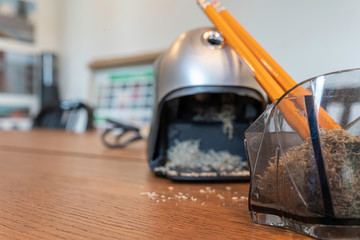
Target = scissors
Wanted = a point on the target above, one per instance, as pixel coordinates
(120, 130)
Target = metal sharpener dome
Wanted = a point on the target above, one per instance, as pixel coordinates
(200, 57)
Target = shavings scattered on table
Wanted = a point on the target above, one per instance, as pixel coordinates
(203, 196)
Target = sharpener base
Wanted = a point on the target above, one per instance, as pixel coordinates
(320, 231)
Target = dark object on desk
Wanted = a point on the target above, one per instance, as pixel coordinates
(69, 115)
(49, 74)
(205, 100)
(120, 135)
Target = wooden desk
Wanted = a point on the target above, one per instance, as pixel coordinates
(56, 185)
(66, 143)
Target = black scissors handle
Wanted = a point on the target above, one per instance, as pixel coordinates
(125, 128)
(122, 125)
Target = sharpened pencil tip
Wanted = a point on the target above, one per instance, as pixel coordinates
(203, 3)
(218, 6)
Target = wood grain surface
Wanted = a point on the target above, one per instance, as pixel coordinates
(49, 192)
(68, 143)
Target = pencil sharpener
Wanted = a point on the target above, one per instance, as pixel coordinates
(310, 184)
(205, 100)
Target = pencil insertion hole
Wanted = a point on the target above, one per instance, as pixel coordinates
(213, 40)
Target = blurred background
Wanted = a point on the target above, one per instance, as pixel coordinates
(100, 52)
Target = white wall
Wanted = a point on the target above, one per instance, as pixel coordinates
(306, 37)
(95, 29)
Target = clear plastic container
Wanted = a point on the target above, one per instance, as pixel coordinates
(306, 176)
